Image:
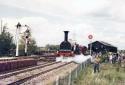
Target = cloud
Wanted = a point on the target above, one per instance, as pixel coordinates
(10, 11)
(104, 19)
(59, 7)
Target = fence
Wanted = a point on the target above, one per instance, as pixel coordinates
(69, 79)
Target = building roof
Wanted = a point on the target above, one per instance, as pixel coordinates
(107, 44)
(104, 43)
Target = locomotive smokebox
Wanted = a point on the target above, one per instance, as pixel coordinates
(66, 35)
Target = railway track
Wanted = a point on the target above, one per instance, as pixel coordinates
(18, 82)
(50, 77)
(13, 80)
(41, 65)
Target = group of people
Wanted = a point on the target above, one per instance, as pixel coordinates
(112, 58)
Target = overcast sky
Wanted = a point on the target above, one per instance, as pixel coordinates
(104, 19)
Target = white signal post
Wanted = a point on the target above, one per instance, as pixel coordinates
(90, 38)
(27, 33)
(26, 42)
(17, 38)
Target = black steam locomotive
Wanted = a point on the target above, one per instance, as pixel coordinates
(66, 47)
(68, 50)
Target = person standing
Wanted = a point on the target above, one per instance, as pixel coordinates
(119, 60)
(96, 64)
(110, 58)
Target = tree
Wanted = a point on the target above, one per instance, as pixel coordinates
(6, 43)
(52, 47)
(32, 47)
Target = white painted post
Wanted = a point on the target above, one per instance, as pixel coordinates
(81, 66)
(90, 47)
(90, 38)
(26, 42)
(76, 72)
(57, 80)
(84, 65)
(17, 42)
(17, 39)
(69, 81)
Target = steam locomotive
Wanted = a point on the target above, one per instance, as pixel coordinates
(68, 50)
(65, 47)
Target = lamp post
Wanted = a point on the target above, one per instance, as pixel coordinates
(27, 33)
(17, 38)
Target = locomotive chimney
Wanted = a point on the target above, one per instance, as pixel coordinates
(66, 35)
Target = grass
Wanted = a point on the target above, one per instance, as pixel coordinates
(110, 74)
